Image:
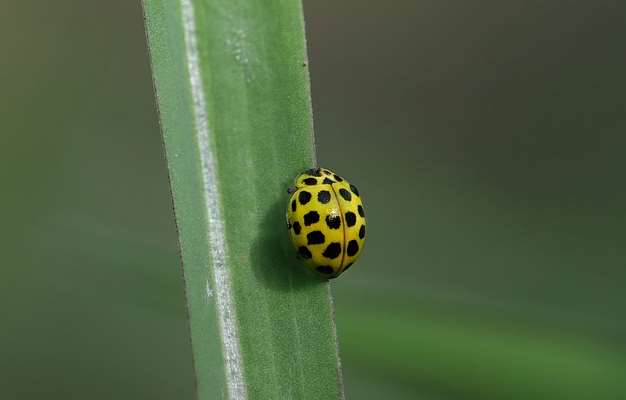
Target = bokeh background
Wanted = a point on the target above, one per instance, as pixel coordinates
(487, 139)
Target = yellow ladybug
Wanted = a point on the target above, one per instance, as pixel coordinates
(326, 221)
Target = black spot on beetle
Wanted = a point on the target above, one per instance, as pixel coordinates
(311, 217)
(325, 269)
(354, 189)
(353, 248)
(304, 197)
(345, 194)
(333, 221)
(332, 251)
(314, 171)
(323, 196)
(296, 228)
(338, 178)
(304, 252)
(293, 205)
(310, 181)
(362, 231)
(315, 237)
(361, 211)
(327, 181)
(350, 218)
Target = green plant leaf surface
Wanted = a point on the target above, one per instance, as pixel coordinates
(232, 89)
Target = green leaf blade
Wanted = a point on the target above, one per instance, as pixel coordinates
(233, 93)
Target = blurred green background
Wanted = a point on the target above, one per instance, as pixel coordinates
(487, 139)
